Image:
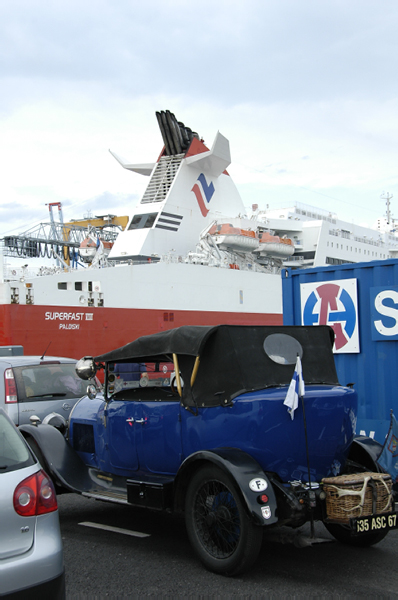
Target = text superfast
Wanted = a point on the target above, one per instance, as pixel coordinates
(67, 316)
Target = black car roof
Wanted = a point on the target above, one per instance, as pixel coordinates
(232, 358)
(188, 340)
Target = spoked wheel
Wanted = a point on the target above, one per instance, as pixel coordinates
(343, 534)
(220, 531)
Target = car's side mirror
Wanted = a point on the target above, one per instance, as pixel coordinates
(91, 391)
(86, 368)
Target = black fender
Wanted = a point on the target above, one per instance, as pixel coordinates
(61, 462)
(243, 469)
(364, 452)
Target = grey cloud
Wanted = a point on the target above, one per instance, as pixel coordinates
(257, 51)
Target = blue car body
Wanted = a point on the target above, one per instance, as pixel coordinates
(194, 420)
(257, 423)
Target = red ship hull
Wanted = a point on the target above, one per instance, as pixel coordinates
(75, 332)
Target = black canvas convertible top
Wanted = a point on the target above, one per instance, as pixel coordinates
(187, 340)
(233, 359)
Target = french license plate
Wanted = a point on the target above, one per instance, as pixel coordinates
(374, 523)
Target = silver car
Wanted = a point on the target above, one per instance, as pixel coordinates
(31, 556)
(32, 385)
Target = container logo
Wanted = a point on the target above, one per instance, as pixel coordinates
(205, 197)
(384, 313)
(333, 303)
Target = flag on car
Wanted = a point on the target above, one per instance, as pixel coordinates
(296, 389)
(388, 458)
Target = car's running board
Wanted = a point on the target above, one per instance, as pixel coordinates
(107, 496)
(148, 494)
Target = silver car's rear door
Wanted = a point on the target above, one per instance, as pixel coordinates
(16, 464)
(16, 532)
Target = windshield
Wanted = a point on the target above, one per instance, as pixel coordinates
(13, 451)
(131, 375)
(58, 380)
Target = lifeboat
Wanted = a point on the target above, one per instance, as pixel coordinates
(273, 245)
(89, 248)
(228, 237)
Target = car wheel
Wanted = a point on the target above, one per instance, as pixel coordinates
(220, 531)
(343, 534)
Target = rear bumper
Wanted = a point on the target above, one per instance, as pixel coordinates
(40, 566)
(54, 589)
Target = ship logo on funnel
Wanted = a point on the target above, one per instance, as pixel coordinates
(204, 193)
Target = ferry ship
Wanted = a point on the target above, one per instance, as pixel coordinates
(170, 266)
(189, 255)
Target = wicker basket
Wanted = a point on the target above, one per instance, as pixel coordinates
(349, 496)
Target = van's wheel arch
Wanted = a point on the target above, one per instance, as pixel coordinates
(220, 530)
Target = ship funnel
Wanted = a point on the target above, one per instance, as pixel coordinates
(216, 160)
(176, 137)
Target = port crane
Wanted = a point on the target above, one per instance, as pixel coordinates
(56, 239)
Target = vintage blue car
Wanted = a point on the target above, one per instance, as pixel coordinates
(193, 420)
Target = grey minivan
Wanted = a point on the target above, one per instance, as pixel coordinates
(31, 555)
(33, 385)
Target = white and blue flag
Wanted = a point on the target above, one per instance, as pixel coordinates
(296, 389)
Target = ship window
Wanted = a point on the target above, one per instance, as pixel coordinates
(143, 221)
(62, 285)
(78, 286)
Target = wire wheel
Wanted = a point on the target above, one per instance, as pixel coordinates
(217, 519)
(220, 530)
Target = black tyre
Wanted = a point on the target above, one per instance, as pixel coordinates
(343, 534)
(220, 531)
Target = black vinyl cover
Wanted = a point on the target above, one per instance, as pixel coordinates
(187, 340)
(232, 358)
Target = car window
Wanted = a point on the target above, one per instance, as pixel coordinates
(282, 348)
(49, 381)
(14, 453)
(139, 376)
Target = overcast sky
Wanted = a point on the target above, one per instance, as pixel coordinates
(306, 91)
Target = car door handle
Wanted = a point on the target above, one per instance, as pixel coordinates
(142, 421)
(132, 420)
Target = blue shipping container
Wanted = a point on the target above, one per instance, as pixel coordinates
(360, 302)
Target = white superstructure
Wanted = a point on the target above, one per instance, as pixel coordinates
(320, 238)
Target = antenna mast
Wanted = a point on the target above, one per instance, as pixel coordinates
(387, 197)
